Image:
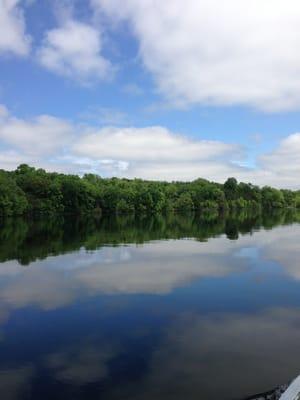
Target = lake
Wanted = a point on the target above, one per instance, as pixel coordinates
(163, 307)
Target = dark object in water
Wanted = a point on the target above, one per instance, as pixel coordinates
(274, 394)
(284, 392)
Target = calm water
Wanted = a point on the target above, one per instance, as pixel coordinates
(173, 307)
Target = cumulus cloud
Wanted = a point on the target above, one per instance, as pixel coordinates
(149, 144)
(152, 152)
(75, 50)
(203, 51)
(284, 161)
(157, 153)
(40, 135)
(10, 159)
(215, 170)
(13, 38)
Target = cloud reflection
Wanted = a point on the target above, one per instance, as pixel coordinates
(223, 356)
(157, 268)
(83, 365)
(15, 382)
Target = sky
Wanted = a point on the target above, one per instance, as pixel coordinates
(164, 90)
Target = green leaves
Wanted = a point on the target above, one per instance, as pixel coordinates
(36, 191)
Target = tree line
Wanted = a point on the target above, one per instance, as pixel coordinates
(29, 190)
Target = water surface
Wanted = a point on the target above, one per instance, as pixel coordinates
(166, 307)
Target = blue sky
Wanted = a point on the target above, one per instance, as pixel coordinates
(157, 90)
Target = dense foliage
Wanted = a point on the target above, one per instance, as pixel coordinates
(30, 190)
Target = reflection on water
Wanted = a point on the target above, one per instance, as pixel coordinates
(165, 307)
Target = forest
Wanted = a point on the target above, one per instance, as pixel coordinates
(28, 190)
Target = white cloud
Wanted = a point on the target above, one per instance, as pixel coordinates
(149, 144)
(157, 153)
(285, 159)
(10, 159)
(147, 152)
(279, 168)
(12, 29)
(237, 52)
(74, 50)
(209, 169)
(40, 135)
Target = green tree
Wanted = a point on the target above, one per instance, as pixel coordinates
(231, 189)
(272, 198)
(12, 199)
(184, 202)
